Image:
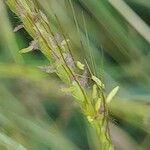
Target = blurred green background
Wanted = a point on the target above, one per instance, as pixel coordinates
(36, 115)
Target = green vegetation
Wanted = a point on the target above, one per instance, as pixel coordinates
(62, 68)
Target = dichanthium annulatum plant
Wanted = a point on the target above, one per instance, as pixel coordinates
(73, 73)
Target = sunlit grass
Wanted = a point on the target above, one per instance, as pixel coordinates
(114, 37)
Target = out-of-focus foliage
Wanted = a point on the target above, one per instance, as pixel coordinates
(35, 114)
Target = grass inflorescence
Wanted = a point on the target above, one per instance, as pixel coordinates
(80, 81)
